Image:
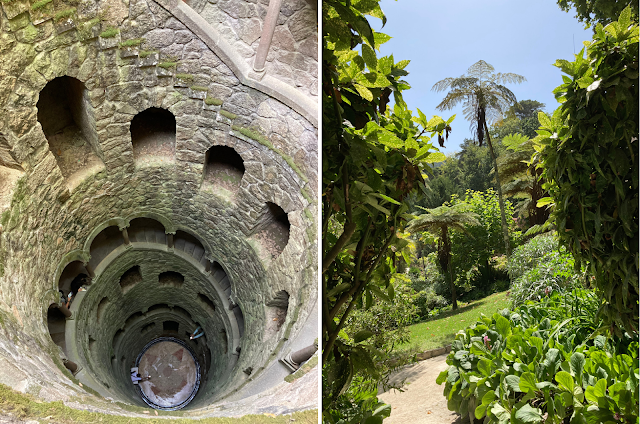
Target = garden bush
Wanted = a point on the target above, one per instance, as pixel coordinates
(530, 367)
(539, 268)
(529, 255)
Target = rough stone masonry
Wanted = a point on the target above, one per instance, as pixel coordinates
(144, 159)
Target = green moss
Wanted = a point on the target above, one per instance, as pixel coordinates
(40, 4)
(185, 77)
(6, 1)
(212, 101)
(109, 33)
(146, 53)
(307, 196)
(26, 406)
(5, 217)
(134, 42)
(92, 22)
(64, 14)
(199, 88)
(228, 114)
(308, 366)
(308, 214)
(167, 65)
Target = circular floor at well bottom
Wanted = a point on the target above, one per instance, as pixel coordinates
(174, 373)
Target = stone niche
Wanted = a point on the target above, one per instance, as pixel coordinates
(66, 116)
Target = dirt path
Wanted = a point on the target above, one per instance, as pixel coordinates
(422, 401)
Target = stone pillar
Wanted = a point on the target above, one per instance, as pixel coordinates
(65, 311)
(170, 241)
(89, 270)
(294, 359)
(207, 266)
(125, 235)
(268, 27)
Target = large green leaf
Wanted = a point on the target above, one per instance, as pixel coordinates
(565, 380)
(503, 326)
(529, 415)
(528, 382)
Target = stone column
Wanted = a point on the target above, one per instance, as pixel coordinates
(207, 266)
(294, 359)
(89, 270)
(125, 235)
(65, 311)
(268, 27)
(170, 241)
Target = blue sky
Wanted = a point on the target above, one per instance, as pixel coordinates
(443, 38)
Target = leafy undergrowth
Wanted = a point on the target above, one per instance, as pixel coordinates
(441, 330)
(25, 407)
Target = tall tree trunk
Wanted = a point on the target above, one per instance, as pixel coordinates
(445, 264)
(505, 227)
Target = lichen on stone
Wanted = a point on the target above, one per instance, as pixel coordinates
(199, 88)
(185, 77)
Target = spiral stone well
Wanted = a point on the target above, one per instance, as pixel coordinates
(150, 170)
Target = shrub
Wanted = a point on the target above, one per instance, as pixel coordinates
(529, 367)
(588, 151)
(552, 272)
(427, 300)
(527, 256)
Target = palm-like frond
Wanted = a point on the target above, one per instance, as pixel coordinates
(482, 94)
(443, 216)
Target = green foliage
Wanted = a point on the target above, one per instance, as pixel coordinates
(541, 267)
(468, 169)
(200, 88)
(603, 12)
(64, 14)
(588, 152)
(476, 246)
(110, 32)
(530, 367)
(211, 101)
(40, 4)
(373, 158)
(134, 42)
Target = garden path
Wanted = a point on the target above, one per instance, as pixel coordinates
(422, 401)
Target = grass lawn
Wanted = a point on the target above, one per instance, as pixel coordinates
(441, 331)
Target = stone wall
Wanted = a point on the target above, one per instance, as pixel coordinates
(49, 219)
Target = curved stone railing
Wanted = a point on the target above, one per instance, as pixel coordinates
(275, 88)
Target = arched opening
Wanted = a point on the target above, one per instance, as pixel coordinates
(103, 244)
(223, 169)
(153, 136)
(207, 303)
(170, 326)
(56, 322)
(146, 230)
(130, 278)
(171, 278)
(190, 245)
(73, 277)
(272, 230)
(67, 119)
